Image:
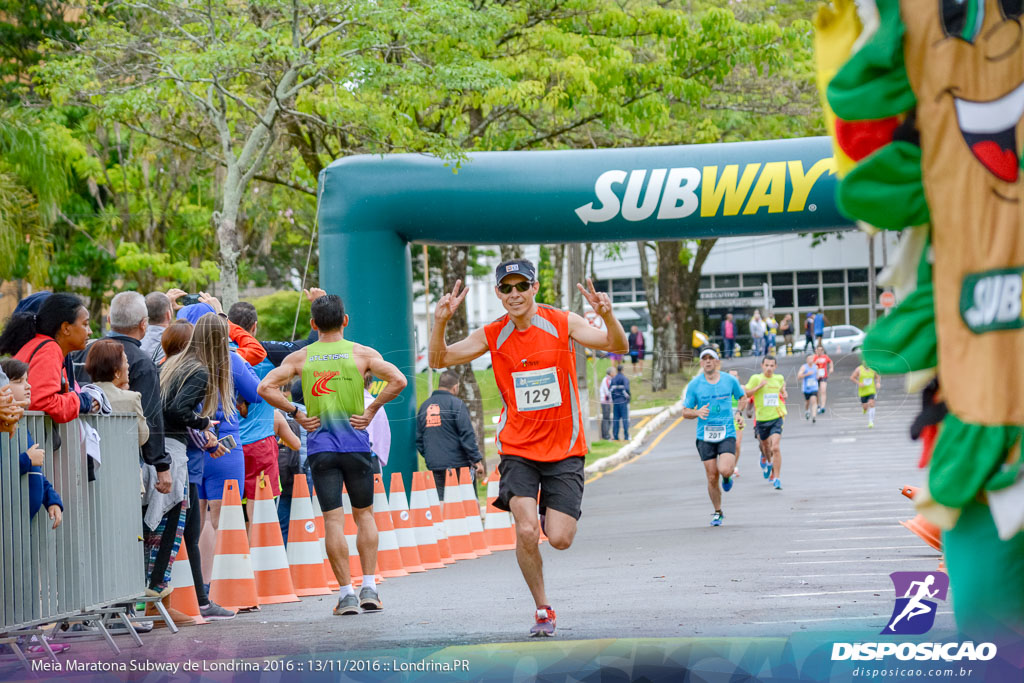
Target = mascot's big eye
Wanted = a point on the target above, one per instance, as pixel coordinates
(1011, 9)
(963, 18)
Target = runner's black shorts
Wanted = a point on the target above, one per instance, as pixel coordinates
(331, 470)
(865, 399)
(809, 395)
(709, 450)
(766, 429)
(560, 483)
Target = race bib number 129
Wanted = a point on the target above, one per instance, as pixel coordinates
(536, 389)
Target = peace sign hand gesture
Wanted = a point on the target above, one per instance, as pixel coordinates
(599, 301)
(449, 303)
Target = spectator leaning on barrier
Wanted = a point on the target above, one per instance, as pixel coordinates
(44, 340)
(444, 433)
(107, 365)
(40, 491)
(129, 319)
(605, 396)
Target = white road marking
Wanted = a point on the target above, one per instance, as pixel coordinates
(848, 538)
(808, 621)
(888, 559)
(804, 595)
(842, 550)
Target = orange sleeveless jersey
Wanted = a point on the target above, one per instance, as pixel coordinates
(547, 434)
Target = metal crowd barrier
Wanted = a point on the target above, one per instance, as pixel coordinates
(94, 558)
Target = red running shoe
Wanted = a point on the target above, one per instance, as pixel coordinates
(545, 625)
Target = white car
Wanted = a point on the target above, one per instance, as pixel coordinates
(838, 338)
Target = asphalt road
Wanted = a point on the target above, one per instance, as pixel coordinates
(646, 563)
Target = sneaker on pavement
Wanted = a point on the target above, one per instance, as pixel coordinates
(777, 483)
(716, 519)
(807, 415)
(727, 483)
(369, 600)
(871, 425)
(215, 612)
(348, 604)
(545, 622)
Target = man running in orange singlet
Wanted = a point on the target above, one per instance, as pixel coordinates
(540, 432)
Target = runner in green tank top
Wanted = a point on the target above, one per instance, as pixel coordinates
(332, 371)
(868, 383)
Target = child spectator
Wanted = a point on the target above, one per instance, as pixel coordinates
(40, 491)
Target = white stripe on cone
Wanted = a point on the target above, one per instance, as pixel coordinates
(304, 552)
(268, 559)
(232, 567)
(440, 529)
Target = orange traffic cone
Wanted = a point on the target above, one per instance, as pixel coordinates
(455, 519)
(925, 530)
(305, 558)
(233, 584)
(423, 524)
(389, 557)
(402, 519)
(269, 558)
(472, 507)
(321, 532)
(498, 531)
(183, 598)
(444, 547)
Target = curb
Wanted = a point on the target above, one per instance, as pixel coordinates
(628, 452)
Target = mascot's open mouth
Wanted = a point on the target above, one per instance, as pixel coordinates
(990, 130)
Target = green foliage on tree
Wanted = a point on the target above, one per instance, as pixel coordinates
(276, 315)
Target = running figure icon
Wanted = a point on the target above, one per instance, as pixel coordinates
(917, 594)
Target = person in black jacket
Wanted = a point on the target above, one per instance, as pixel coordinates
(444, 433)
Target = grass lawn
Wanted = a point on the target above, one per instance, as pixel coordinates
(640, 388)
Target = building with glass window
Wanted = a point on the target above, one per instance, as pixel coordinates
(798, 275)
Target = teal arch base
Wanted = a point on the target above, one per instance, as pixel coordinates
(372, 207)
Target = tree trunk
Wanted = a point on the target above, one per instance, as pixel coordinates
(574, 255)
(669, 297)
(659, 376)
(558, 264)
(455, 267)
(872, 293)
(511, 251)
(688, 314)
(226, 222)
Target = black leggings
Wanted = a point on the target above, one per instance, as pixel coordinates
(192, 531)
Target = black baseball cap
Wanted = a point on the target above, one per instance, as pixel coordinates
(516, 266)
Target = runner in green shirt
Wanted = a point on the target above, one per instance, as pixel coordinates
(769, 393)
(868, 383)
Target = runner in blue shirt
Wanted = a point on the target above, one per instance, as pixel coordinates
(709, 399)
(809, 374)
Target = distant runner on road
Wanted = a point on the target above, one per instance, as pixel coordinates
(769, 393)
(709, 398)
(540, 434)
(825, 368)
(868, 383)
(808, 375)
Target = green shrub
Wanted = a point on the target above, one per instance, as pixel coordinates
(277, 316)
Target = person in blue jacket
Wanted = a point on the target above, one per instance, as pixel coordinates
(40, 491)
(213, 472)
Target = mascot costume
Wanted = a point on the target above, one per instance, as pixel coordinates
(925, 103)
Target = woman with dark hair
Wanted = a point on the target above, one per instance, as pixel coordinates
(107, 365)
(175, 338)
(193, 383)
(44, 340)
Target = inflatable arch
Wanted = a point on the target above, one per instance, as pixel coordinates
(371, 207)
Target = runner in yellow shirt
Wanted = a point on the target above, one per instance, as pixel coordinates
(868, 383)
(769, 393)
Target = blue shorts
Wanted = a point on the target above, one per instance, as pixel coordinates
(216, 471)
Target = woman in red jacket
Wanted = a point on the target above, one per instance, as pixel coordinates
(43, 341)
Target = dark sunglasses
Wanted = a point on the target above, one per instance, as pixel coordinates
(519, 287)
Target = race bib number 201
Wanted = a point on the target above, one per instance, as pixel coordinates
(536, 389)
(714, 433)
